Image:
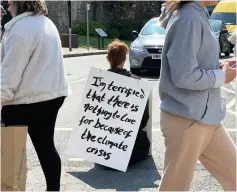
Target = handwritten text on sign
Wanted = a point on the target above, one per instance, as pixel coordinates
(109, 118)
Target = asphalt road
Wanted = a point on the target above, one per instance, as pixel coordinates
(80, 175)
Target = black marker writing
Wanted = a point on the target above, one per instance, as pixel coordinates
(117, 102)
(85, 121)
(95, 96)
(100, 111)
(103, 140)
(99, 83)
(134, 108)
(112, 130)
(127, 120)
(127, 91)
(99, 152)
(111, 87)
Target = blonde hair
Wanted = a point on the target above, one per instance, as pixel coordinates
(117, 53)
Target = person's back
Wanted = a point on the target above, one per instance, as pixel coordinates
(142, 144)
(39, 38)
(116, 57)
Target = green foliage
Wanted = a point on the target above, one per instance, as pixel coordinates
(81, 28)
(114, 33)
(126, 27)
(126, 33)
(120, 30)
(93, 42)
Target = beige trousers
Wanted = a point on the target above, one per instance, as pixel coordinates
(186, 142)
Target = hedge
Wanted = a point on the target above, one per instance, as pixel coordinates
(122, 30)
(94, 43)
(81, 29)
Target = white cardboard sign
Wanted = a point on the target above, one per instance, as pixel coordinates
(109, 118)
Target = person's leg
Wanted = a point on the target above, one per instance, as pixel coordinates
(185, 140)
(40, 119)
(14, 115)
(41, 131)
(11, 117)
(220, 159)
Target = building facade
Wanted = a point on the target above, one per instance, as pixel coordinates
(110, 12)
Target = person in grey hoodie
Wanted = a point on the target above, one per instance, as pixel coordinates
(191, 105)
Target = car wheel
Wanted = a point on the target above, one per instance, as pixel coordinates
(227, 54)
(135, 70)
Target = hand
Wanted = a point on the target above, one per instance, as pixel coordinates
(231, 63)
(229, 72)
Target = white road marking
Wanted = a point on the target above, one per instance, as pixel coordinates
(231, 112)
(76, 159)
(153, 130)
(228, 90)
(69, 90)
(78, 81)
(63, 129)
(233, 85)
(230, 104)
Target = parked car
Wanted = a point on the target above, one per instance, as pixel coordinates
(146, 49)
(222, 34)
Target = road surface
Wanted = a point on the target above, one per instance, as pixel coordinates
(80, 175)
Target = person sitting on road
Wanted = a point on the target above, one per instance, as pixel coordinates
(116, 57)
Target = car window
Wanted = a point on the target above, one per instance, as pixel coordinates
(215, 26)
(227, 18)
(153, 28)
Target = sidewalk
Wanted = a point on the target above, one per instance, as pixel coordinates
(81, 52)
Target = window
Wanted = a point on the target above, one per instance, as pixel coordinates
(153, 28)
(227, 18)
(215, 26)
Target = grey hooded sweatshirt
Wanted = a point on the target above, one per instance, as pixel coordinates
(191, 77)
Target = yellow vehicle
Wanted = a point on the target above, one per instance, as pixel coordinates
(225, 11)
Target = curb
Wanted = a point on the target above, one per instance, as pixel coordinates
(84, 54)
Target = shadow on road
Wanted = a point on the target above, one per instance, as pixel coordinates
(152, 76)
(141, 175)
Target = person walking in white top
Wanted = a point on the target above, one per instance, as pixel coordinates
(33, 81)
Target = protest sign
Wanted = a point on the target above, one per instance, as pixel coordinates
(110, 114)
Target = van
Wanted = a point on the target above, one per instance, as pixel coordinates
(225, 11)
